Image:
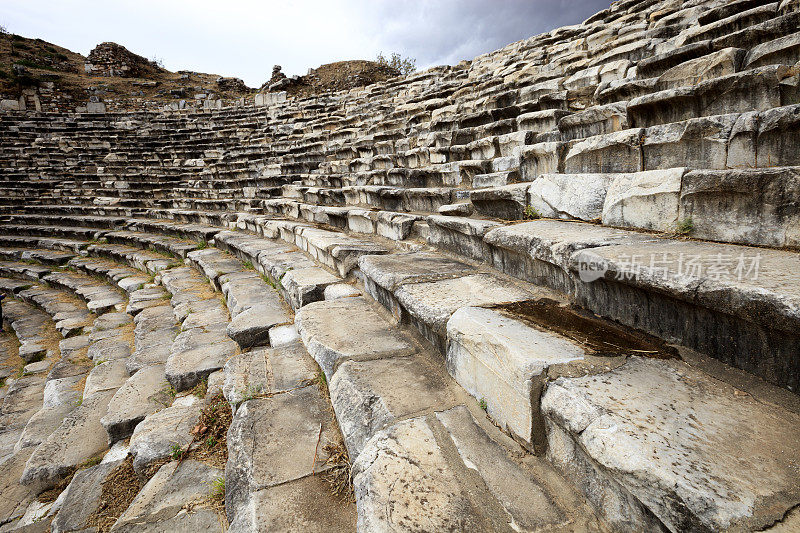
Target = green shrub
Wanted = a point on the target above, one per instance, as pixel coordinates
(405, 65)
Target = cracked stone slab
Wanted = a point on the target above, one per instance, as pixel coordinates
(368, 396)
(658, 436)
(79, 438)
(432, 303)
(106, 376)
(403, 482)
(302, 506)
(185, 368)
(267, 370)
(350, 328)
(154, 438)
(275, 440)
(391, 271)
(528, 502)
(161, 505)
(251, 327)
(306, 285)
(497, 358)
(143, 394)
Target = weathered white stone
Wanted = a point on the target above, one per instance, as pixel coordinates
(337, 330)
(647, 200)
(79, 438)
(367, 396)
(106, 376)
(162, 503)
(143, 394)
(276, 440)
(499, 359)
(432, 303)
(684, 446)
(282, 335)
(569, 195)
(186, 367)
(431, 499)
(752, 206)
(157, 435)
(251, 327)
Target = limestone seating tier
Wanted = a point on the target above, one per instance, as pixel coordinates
(63, 433)
(501, 409)
(546, 374)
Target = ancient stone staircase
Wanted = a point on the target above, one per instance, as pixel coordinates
(553, 288)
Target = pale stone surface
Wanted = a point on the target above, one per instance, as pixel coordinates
(282, 335)
(339, 290)
(185, 368)
(14, 497)
(368, 396)
(143, 394)
(527, 501)
(107, 376)
(302, 506)
(337, 330)
(749, 206)
(390, 271)
(687, 447)
(251, 327)
(647, 200)
(500, 359)
(556, 242)
(429, 497)
(79, 438)
(306, 285)
(434, 302)
(156, 436)
(276, 440)
(161, 504)
(41, 425)
(570, 195)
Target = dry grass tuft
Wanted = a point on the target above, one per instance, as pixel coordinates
(210, 443)
(339, 472)
(119, 490)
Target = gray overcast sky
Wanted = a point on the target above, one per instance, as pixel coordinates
(245, 38)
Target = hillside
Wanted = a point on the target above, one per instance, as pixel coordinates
(63, 81)
(48, 77)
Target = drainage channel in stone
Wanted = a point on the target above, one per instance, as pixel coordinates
(603, 337)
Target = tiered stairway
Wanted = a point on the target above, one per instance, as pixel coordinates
(554, 288)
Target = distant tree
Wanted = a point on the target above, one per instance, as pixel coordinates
(406, 65)
(157, 61)
(3, 30)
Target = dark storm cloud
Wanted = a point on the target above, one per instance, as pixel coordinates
(447, 31)
(246, 37)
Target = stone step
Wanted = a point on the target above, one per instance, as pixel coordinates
(159, 243)
(425, 289)
(70, 314)
(589, 263)
(203, 346)
(266, 475)
(161, 504)
(126, 278)
(393, 431)
(45, 257)
(99, 297)
(653, 445)
(80, 437)
(143, 260)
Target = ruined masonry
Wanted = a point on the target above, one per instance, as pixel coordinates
(554, 288)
